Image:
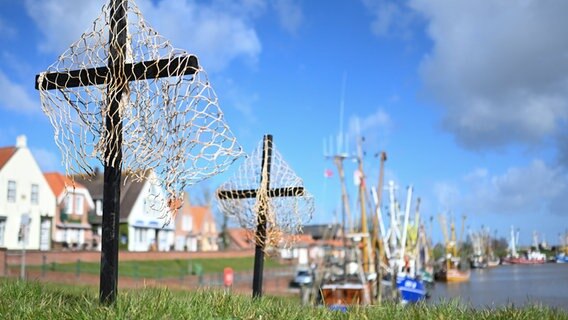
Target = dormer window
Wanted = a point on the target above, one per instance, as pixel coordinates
(79, 202)
(68, 203)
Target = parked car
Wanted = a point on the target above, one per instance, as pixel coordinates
(303, 278)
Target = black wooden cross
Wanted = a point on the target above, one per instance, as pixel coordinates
(260, 236)
(116, 76)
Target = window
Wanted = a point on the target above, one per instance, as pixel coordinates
(11, 191)
(99, 207)
(186, 223)
(68, 203)
(2, 230)
(140, 235)
(79, 204)
(35, 194)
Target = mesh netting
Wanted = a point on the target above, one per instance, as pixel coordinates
(168, 119)
(275, 190)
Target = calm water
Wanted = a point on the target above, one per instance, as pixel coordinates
(518, 284)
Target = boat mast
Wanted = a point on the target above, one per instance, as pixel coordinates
(459, 244)
(447, 243)
(362, 192)
(378, 227)
(405, 224)
(394, 221)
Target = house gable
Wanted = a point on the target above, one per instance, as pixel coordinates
(32, 196)
(61, 185)
(203, 220)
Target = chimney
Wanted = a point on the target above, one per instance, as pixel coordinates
(21, 142)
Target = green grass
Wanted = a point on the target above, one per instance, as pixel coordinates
(21, 300)
(165, 268)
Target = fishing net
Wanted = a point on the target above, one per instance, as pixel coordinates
(272, 188)
(168, 119)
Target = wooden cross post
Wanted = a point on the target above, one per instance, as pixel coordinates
(116, 76)
(261, 220)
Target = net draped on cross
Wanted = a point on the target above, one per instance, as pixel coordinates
(285, 215)
(171, 125)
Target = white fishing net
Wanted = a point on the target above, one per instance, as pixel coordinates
(168, 119)
(271, 190)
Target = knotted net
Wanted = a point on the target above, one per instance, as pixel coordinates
(168, 119)
(268, 190)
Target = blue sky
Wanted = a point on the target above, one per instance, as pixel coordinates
(469, 99)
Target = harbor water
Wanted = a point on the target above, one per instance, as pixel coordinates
(519, 285)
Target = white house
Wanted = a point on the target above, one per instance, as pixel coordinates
(142, 211)
(146, 229)
(24, 196)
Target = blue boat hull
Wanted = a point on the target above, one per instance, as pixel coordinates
(411, 290)
(562, 258)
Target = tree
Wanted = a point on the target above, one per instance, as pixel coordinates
(500, 247)
(439, 251)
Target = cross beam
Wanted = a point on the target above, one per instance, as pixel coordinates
(146, 70)
(252, 193)
(115, 76)
(260, 235)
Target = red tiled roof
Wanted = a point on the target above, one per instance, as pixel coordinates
(5, 154)
(57, 182)
(200, 215)
(241, 237)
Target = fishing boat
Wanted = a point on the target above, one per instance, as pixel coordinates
(561, 258)
(451, 272)
(350, 286)
(451, 267)
(530, 257)
(455, 275)
(478, 262)
(406, 257)
(353, 286)
(493, 262)
(345, 293)
(411, 289)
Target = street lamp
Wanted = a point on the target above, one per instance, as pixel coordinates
(24, 224)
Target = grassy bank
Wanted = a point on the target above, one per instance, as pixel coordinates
(164, 268)
(21, 300)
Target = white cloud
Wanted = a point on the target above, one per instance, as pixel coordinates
(497, 68)
(62, 21)
(290, 14)
(16, 98)
(218, 32)
(390, 18)
(533, 189)
(375, 127)
(238, 98)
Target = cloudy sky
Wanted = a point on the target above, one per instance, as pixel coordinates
(468, 98)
